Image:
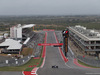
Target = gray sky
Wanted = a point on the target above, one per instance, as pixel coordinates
(49, 7)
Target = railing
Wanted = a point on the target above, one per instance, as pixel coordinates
(15, 61)
(37, 51)
(89, 61)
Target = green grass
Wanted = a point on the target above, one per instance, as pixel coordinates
(29, 69)
(80, 62)
(40, 62)
(21, 68)
(62, 26)
(25, 66)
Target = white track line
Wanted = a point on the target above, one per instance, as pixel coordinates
(45, 53)
(58, 47)
(43, 63)
(93, 73)
(71, 50)
(36, 71)
(68, 65)
(23, 72)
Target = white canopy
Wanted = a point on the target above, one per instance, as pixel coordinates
(28, 26)
(12, 44)
(26, 40)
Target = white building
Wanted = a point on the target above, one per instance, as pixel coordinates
(18, 34)
(10, 46)
(86, 39)
(16, 31)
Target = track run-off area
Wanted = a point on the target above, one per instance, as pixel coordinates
(66, 66)
(54, 56)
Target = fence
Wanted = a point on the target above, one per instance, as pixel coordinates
(15, 62)
(21, 61)
(89, 61)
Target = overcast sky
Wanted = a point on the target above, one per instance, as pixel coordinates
(49, 7)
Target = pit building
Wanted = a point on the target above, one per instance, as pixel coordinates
(86, 39)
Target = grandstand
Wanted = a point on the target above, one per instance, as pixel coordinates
(20, 35)
(86, 40)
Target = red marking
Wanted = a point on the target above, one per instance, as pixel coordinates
(34, 65)
(66, 31)
(48, 29)
(50, 44)
(33, 72)
(83, 56)
(44, 47)
(30, 66)
(27, 73)
(75, 62)
(62, 54)
(44, 50)
(36, 58)
(37, 63)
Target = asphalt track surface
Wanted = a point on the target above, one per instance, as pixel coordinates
(53, 57)
(10, 73)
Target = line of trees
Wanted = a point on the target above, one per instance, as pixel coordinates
(61, 21)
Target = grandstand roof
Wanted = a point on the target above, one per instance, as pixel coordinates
(28, 26)
(26, 40)
(12, 44)
(85, 34)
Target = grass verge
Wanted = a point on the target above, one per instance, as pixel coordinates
(25, 67)
(32, 62)
(80, 62)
